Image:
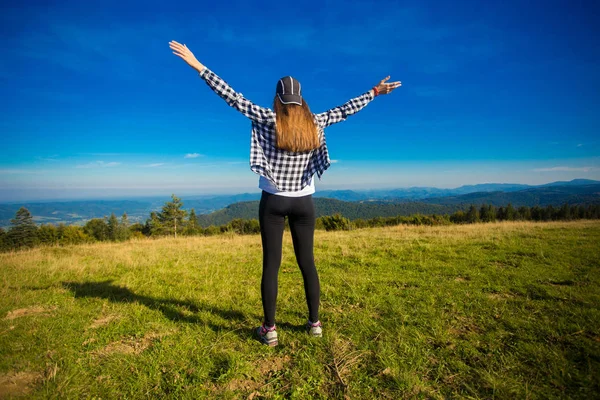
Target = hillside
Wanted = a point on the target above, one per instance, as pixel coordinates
(482, 311)
(541, 196)
(351, 210)
(421, 200)
(551, 195)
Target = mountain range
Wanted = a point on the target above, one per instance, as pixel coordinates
(350, 203)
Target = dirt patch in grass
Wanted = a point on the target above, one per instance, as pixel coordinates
(16, 384)
(464, 327)
(273, 364)
(236, 385)
(103, 321)
(130, 345)
(25, 312)
(267, 369)
(499, 296)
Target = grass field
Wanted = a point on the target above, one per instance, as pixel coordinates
(506, 310)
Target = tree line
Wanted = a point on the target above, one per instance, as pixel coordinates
(173, 220)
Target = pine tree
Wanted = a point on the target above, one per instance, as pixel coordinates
(23, 233)
(511, 213)
(492, 213)
(153, 225)
(524, 213)
(3, 240)
(113, 227)
(171, 216)
(484, 214)
(472, 215)
(192, 224)
(124, 232)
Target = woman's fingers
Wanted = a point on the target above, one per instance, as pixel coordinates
(384, 79)
(178, 47)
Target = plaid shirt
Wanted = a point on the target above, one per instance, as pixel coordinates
(289, 171)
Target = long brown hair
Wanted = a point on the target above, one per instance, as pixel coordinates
(295, 127)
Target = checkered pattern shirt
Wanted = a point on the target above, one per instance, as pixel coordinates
(289, 171)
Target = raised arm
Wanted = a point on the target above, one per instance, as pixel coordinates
(220, 87)
(340, 113)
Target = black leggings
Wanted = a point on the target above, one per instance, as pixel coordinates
(301, 216)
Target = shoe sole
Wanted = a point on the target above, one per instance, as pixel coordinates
(270, 344)
(266, 341)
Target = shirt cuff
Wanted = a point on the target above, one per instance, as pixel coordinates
(203, 73)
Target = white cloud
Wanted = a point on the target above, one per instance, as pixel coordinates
(334, 161)
(579, 144)
(564, 169)
(192, 155)
(153, 165)
(98, 164)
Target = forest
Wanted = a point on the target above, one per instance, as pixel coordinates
(173, 220)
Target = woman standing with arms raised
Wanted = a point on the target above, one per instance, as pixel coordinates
(287, 149)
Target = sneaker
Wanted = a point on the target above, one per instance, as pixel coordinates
(314, 329)
(267, 336)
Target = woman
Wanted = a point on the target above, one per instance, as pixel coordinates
(288, 148)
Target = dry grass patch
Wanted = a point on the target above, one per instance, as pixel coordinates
(16, 384)
(102, 321)
(130, 346)
(499, 296)
(25, 312)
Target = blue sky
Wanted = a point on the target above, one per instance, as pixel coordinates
(93, 103)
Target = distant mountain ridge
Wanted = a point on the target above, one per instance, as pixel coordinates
(540, 196)
(138, 210)
(419, 193)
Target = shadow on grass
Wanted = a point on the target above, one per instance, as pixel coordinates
(175, 310)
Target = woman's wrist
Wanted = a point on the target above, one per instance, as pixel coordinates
(375, 91)
(199, 68)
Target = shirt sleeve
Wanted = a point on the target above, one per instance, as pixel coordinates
(340, 113)
(236, 100)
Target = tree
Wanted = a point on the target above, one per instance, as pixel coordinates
(23, 233)
(153, 225)
(113, 227)
(501, 214)
(336, 222)
(48, 234)
(71, 234)
(524, 213)
(458, 217)
(192, 223)
(492, 213)
(511, 213)
(483, 214)
(472, 215)
(172, 215)
(565, 212)
(123, 231)
(4, 245)
(96, 228)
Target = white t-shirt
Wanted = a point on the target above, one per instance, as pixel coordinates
(268, 186)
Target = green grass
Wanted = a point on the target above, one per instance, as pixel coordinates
(507, 310)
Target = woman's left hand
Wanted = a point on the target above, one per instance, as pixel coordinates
(182, 51)
(386, 87)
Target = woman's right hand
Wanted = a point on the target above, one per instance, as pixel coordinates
(385, 88)
(182, 51)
